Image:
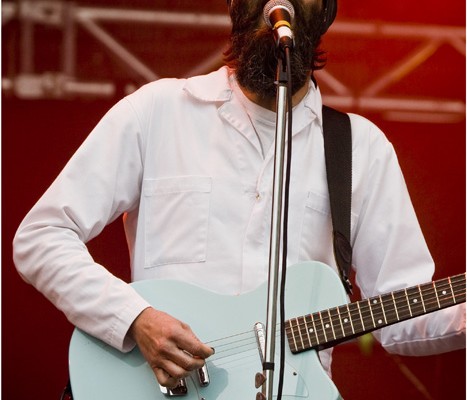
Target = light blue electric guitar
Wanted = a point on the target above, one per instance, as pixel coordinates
(232, 325)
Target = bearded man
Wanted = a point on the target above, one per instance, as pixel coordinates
(189, 165)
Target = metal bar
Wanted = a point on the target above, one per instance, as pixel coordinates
(158, 17)
(69, 40)
(379, 103)
(330, 80)
(403, 68)
(26, 39)
(123, 54)
(429, 118)
(404, 30)
(8, 12)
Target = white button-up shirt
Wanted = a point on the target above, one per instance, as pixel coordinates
(181, 161)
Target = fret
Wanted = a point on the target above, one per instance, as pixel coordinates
(452, 291)
(365, 313)
(377, 311)
(383, 309)
(356, 318)
(429, 297)
(415, 302)
(313, 330)
(444, 291)
(340, 320)
(395, 306)
(300, 333)
(371, 312)
(325, 325)
(307, 329)
(331, 322)
(402, 305)
(459, 281)
(408, 303)
(319, 328)
(361, 316)
(436, 293)
(388, 308)
(351, 319)
(421, 298)
(292, 342)
(347, 320)
(336, 323)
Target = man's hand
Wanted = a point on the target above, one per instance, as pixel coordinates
(169, 346)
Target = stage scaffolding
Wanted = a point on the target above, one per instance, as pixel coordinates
(26, 76)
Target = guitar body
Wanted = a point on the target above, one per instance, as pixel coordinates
(226, 323)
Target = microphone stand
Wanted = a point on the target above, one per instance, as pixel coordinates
(277, 213)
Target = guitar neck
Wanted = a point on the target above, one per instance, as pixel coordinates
(327, 328)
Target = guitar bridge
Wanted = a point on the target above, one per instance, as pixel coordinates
(181, 389)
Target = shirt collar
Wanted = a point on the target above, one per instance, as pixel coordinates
(215, 87)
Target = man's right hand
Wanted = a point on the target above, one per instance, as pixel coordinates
(169, 346)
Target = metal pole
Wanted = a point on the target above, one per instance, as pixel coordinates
(276, 236)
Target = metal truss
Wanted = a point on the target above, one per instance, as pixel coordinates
(401, 107)
(24, 80)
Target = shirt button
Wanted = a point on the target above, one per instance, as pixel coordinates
(258, 197)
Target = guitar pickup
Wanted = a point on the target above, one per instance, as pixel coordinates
(181, 389)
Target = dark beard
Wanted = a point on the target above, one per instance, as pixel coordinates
(255, 51)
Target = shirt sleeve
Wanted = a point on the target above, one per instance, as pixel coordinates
(99, 183)
(391, 253)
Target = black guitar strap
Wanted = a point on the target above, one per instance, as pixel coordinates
(338, 154)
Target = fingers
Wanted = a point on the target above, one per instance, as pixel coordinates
(179, 363)
(170, 347)
(171, 371)
(165, 379)
(193, 346)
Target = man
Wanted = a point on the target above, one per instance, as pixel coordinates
(188, 163)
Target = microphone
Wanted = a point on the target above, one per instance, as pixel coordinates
(278, 15)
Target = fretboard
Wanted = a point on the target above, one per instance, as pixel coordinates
(327, 328)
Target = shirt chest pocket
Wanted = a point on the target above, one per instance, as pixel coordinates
(316, 238)
(176, 220)
(316, 232)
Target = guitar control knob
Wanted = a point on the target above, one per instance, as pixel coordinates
(259, 380)
(260, 396)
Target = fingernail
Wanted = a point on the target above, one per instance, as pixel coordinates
(213, 350)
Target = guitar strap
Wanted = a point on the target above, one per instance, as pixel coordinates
(338, 154)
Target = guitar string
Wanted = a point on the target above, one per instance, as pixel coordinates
(351, 315)
(227, 349)
(428, 300)
(365, 307)
(427, 297)
(246, 341)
